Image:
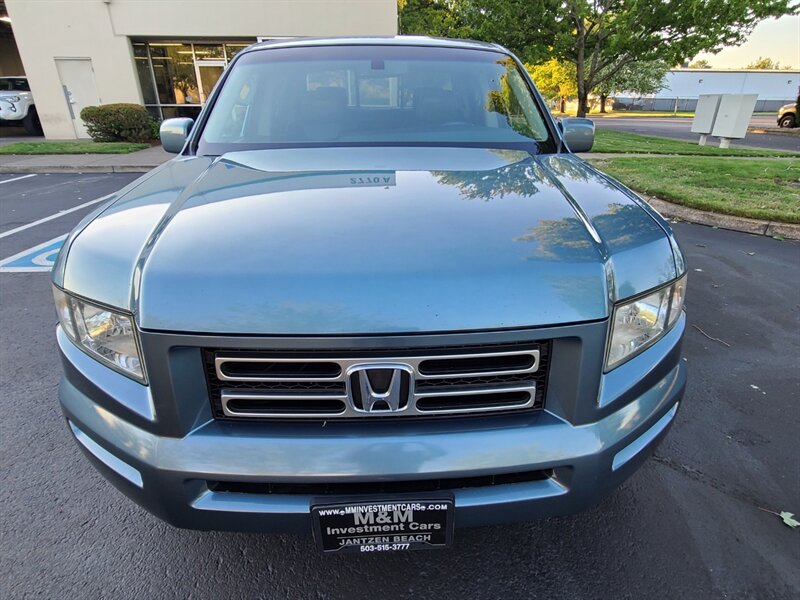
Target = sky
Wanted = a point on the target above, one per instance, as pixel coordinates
(778, 39)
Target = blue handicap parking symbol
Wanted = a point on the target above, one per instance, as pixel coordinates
(38, 258)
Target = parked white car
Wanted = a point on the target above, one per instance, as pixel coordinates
(16, 105)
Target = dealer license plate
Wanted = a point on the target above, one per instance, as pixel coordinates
(384, 526)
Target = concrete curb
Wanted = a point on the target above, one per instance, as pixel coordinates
(775, 131)
(755, 226)
(7, 169)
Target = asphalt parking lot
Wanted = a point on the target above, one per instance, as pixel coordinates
(680, 128)
(687, 525)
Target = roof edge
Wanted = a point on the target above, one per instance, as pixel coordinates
(397, 40)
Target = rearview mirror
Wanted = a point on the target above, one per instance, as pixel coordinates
(578, 133)
(173, 134)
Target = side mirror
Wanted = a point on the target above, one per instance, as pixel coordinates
(173, 134)
(578, 133)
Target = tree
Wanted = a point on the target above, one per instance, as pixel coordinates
(438, 18)
(524, 26)
(639, 78)
(700, 64)
(555, 80)
(764, 62)
(602, 37)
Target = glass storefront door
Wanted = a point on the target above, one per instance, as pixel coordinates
(208, 73)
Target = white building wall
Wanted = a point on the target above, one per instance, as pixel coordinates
(248, 18)
(100, 30)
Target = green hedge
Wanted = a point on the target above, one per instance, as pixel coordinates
(119, 123)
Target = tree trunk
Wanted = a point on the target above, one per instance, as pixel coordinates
(563, 105)
(583, 101)
(603, 99)
(580, 68)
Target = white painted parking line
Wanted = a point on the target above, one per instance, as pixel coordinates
(55, 216)
(17, 178)
(38, 259)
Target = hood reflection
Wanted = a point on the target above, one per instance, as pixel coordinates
(521, 179)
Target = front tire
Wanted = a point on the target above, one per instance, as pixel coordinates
(787, 121)
(31, 122)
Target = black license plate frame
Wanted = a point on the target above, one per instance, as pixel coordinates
(384, 524)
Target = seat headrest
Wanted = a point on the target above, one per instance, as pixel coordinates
(433, 105)
(324, 103)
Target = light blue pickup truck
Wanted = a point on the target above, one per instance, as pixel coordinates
(374, 297)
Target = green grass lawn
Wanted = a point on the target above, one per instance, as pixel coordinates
(618, 141)
(761, 189)
(72, 147)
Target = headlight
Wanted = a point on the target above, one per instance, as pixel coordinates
(105, 334)
(637, 324)
(10, 98)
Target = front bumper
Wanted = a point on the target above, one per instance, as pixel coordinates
(168, 474)
(10, 112)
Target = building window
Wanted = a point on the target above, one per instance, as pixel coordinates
(232, 50)
(145, 73)
(176, 78)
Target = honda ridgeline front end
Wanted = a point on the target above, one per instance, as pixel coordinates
(377, 302)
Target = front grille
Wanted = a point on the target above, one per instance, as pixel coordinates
(246, 384)
(377, 487)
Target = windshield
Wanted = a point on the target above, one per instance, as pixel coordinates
(14, 84)
(365, 95)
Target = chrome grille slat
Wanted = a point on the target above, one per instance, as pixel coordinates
(477, 390)
(347, 363)
(458, 382)
(231, 397)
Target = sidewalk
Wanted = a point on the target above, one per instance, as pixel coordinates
(135, 162)
(145, 160)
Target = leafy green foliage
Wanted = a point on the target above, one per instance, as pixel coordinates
(555, 79)
(600, 37)
(639, 78)
(700, 64)
(765, 62)
(524, 26)
(118, 123)
(436, 18)
(603, 37)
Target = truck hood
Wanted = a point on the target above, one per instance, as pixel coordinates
(355, 241)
